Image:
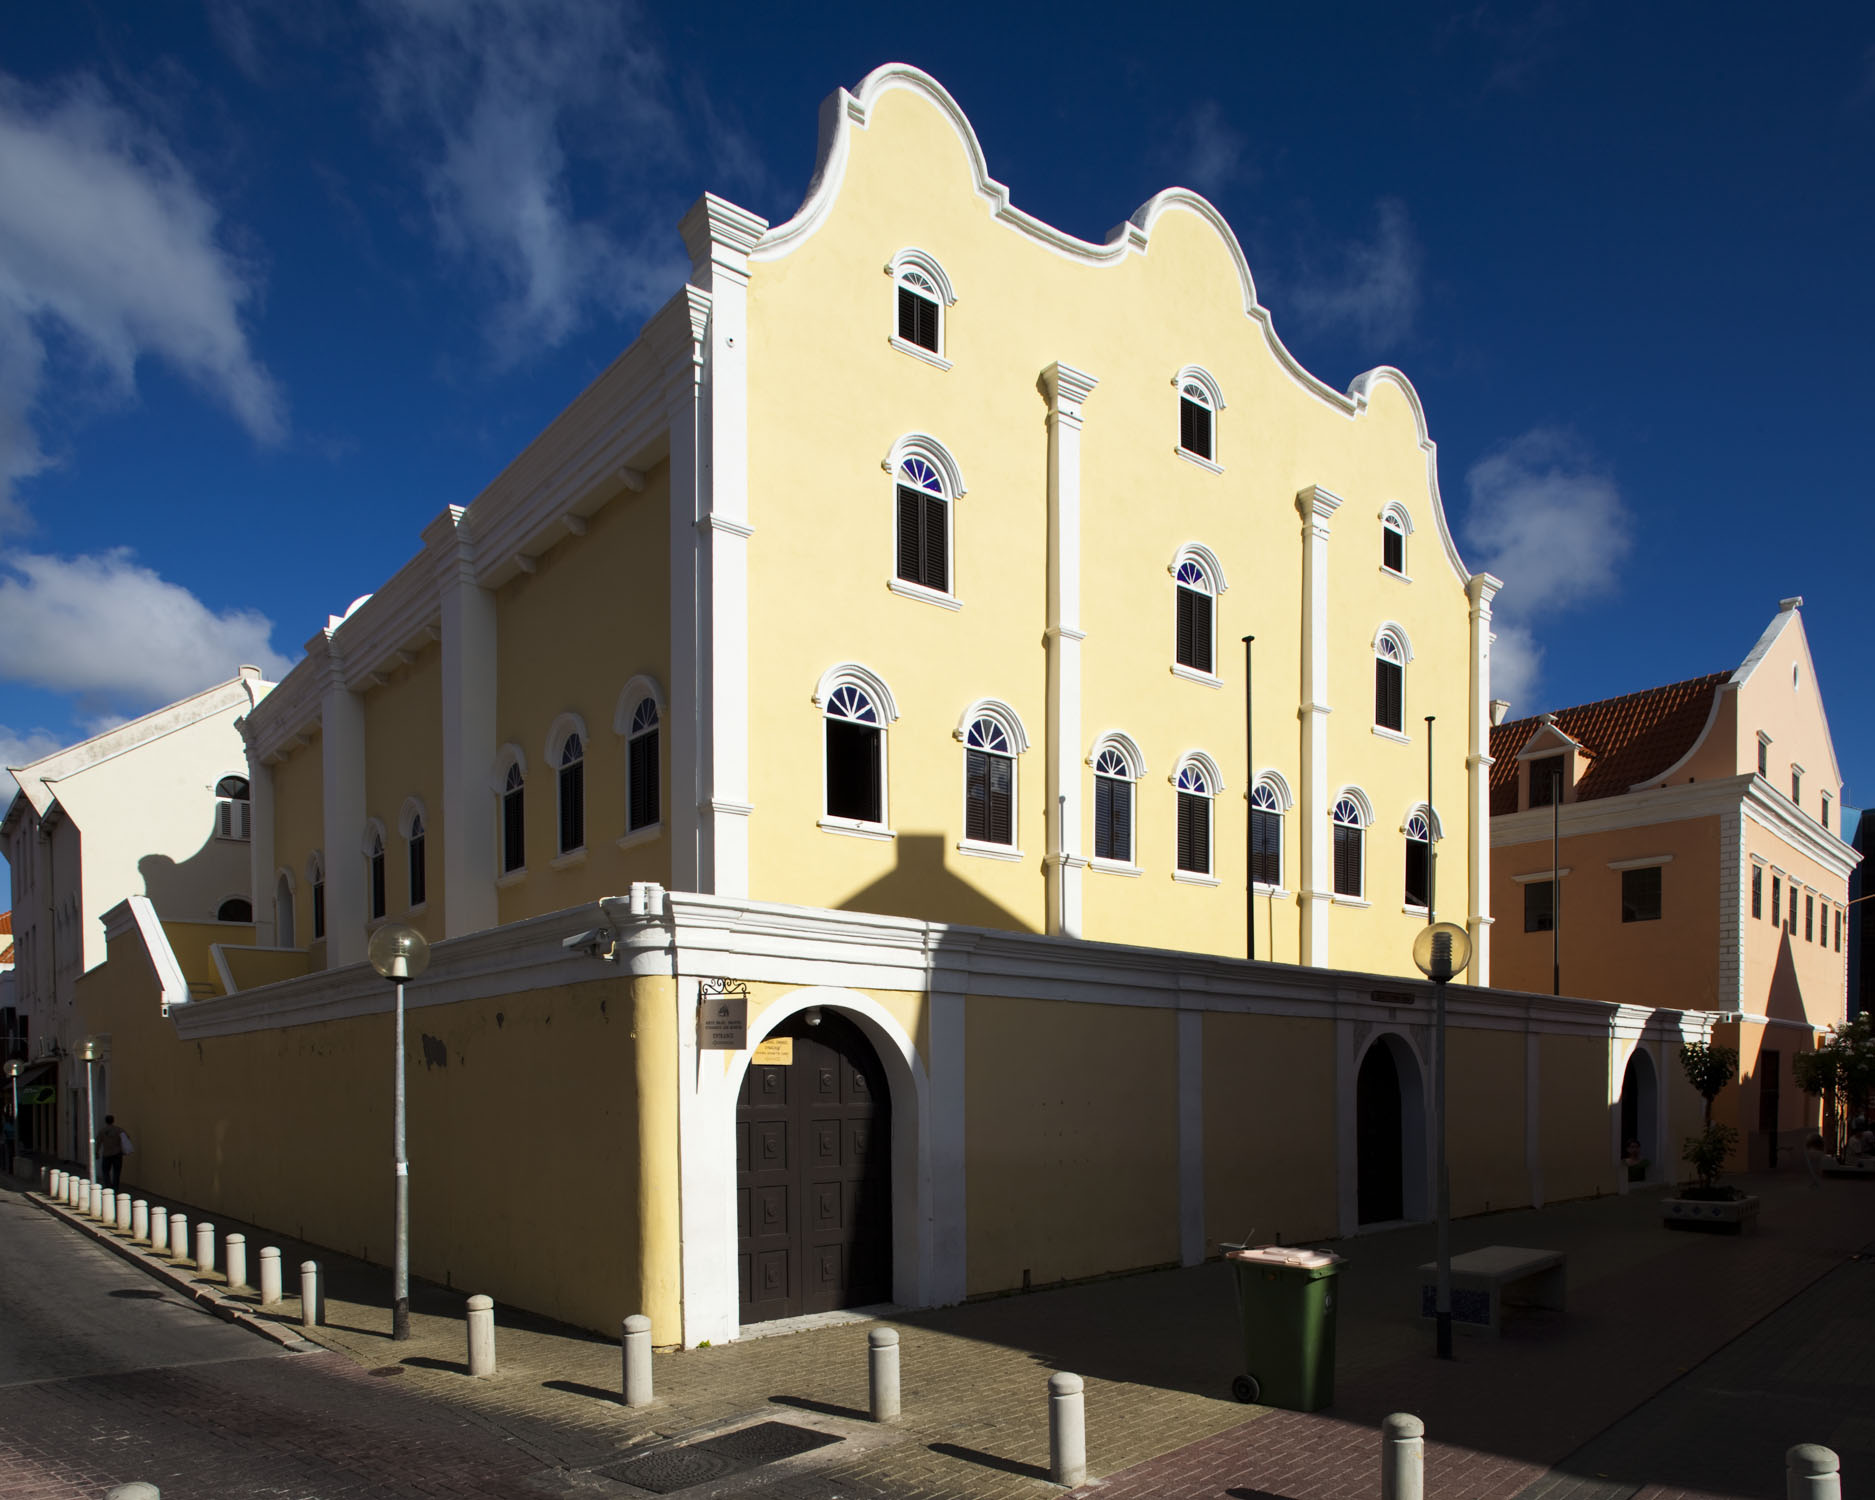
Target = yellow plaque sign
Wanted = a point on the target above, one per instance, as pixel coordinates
(776, 1052)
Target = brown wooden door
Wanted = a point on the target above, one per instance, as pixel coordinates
(813, 1176)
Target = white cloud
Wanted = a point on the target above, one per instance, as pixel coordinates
(1550, 522)
(1369, 288)
(110, 252)
(116, 635)
(21, 748)
(1214, 156)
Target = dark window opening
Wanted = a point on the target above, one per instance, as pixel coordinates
(1347, 860)
(1194, 630)
(376, 862)
(235, 909)
(1757, 891)
(989, 797)
(1113, 819)
(1809, 919)
(514, 823)
(854, 783)
(1546, 781)
(1793, 911)
(419, 876)
(923, 547)
(643, 771)
(1539, 906)
(1194, 427)
(1418, 872)
(1392, 549)
(572, 795)
(1390, 695)
(318, 908)
(1764, 758)
(1194, 833)
(1266, 846)
(917, 319)
(1640, 895)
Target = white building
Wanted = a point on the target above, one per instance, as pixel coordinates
(156, 807)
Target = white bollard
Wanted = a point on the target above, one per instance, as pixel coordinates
(136, 1491)
(1402, 1457)
(140, 1220)
(107, 1211)
(882, 1373)
(637, 1342)
(270, 1276)
(84, 1197)
(159, 1228)
(237, 1262)
(124, 1211)
(178, 1236)
(1067, 1430)
(481, 1335)
(1812, 1472)
(55, 1182)
(309, 1308)
(205, 1247)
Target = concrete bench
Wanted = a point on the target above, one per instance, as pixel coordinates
(1485, 1282)
(1856, 1166)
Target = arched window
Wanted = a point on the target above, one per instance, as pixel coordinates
(855, 756)
(922, 293)
(283, 924)
(572, 794)
(992, 737)
(1395, 527)
(1198, 785)
(513, 819)
(316, 878)
(923, 526)
(1350, 838)
(1115, 775)
(643, 808)
(374, 869)
(1198, 579)
(1199, 402)
(1267, 805)
(1390, 659)
(1418, 860)
(235, 909)
(233, 810)
(419, 874)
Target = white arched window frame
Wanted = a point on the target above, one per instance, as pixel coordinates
(1197, 783)
(1270, 799)
(509, 785)
(1118, 766)
(375, 846)
(921, 301)
(1200, 401)
(1393, 651)
(413, 826)
(1351, 816)
(233, 809)
(1197, 581)
(992, 735)
(639, 719)
(856, 709)
(284, 925)
(316, 885)
(926, 486)
(1396, 525)
(566, 760)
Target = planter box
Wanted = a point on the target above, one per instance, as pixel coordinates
(1710, 1216)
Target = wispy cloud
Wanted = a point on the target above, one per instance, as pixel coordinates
(118, 636)
(1551, 522)
(1215, 154)
(1368, 288)
(1520, 40)
(110, 252)
(21, 747)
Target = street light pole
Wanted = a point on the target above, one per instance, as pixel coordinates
(90, 1053)
(1441, 951)
(399, 953)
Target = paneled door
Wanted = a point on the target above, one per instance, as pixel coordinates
(813, 1175)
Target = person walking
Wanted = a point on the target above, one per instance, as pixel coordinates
(113, 1145)
(9, 1139)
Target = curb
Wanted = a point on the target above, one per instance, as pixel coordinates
(225, 1308)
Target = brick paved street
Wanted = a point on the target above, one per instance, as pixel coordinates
(1158, 1352)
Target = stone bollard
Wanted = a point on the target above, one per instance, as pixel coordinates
(159, 1228)
(205, 1247)
(83, 1205)
(107, 1210)
(1812, 1472)
(55, 1182)
(1402, 1457)
(637, 1350)
(309, 1305)
(1067, 1430)
(882, 1373)
(237, 1262)
(136, 1491)
(140, 1219)
(270, 1276)
(481, 1335)
(178, 1236)
(124, 1211)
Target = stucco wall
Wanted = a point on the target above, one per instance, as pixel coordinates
(1485, 1120)
(1574, 1130)
(404, 759)
(1269, 1129)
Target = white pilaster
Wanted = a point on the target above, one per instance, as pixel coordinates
(260, 840)
(719, 236)
(1316, 890)
(342, 752)
(468, 729)
(1067, 389)
(1482, 588)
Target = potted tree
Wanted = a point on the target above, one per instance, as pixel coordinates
(1707, 1204)
(1840, 1072)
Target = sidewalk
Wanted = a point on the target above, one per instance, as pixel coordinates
(1158, 1352)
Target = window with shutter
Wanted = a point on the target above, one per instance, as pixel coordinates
(643, 807)
(1389, 684)
(1194, 820)
(1113, 807)
(317, 880)
(1757, 891)
(1546, 781)
(920, 306)
(1418, 861)
(1640, 896)
(513, 822)
(233, 810)
(1197, 416)
(1195, 636)
(1392, 546)
(1348, 841)
(1266, 837)
(855, 751)
(989, 785)
(1539, 906)
(1793, 911)
(572, 795)
(923, 526)
(375, 861)
(1809, 919)
(419, 881)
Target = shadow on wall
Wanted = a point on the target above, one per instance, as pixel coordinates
(921, 885)
(192, 889)
(1785, 1000)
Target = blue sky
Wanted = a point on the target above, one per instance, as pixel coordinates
(278, 281)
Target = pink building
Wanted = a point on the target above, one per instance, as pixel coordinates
(1680, 847)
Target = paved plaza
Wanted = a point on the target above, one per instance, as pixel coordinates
(1684, 1364)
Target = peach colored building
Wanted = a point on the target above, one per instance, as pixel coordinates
(1680, 847)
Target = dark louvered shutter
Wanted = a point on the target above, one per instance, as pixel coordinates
(1194, 833)
(1347, 860)
(1266, 849)
(1389, 696)
(1418, 886)
(910, 533)
(908, 301)
(513, 830)
(1122, 833)
(927, 335)
(937, 573)
(1393, 549)
(1194, 428)
(377, 884)
(1103, 818)
(572, 807)
(319, 909)
(419, 884)
(1194, 630)
(1002, 800)
(644, 780)
(976, 795)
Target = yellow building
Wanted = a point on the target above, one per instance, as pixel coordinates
(876, 622)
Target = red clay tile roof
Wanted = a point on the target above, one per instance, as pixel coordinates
(6, 922)
(1629, 738)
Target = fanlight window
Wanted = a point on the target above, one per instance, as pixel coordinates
(1418, 861)
(1113, 807)
(641, 767)
(1349, 842)
(1266, 837)
(233, 810)
(235, 909)
(855, 756)
(1196, 418)
(989, 784)
(1194, 820)
(1196, 619)
(1389, 684)
(923, 526)
(513, 821)
(920, 310)
(572, 795)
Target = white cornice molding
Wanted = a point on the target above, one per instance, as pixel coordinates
(135, 914)
(1318, 506)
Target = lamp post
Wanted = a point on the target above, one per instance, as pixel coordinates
(1441, 951)
(91, 1049)
(399, 953)
(14, 1068)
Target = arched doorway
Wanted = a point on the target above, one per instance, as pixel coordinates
(1389, 1135)
(814, 1173)
(1640, 1109)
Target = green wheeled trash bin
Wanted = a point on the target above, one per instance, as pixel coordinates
(1286, 1303)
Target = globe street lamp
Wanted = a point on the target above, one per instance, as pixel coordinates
(91, 1049)
(1442, 951)
(399, 953)
(14, 1068)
